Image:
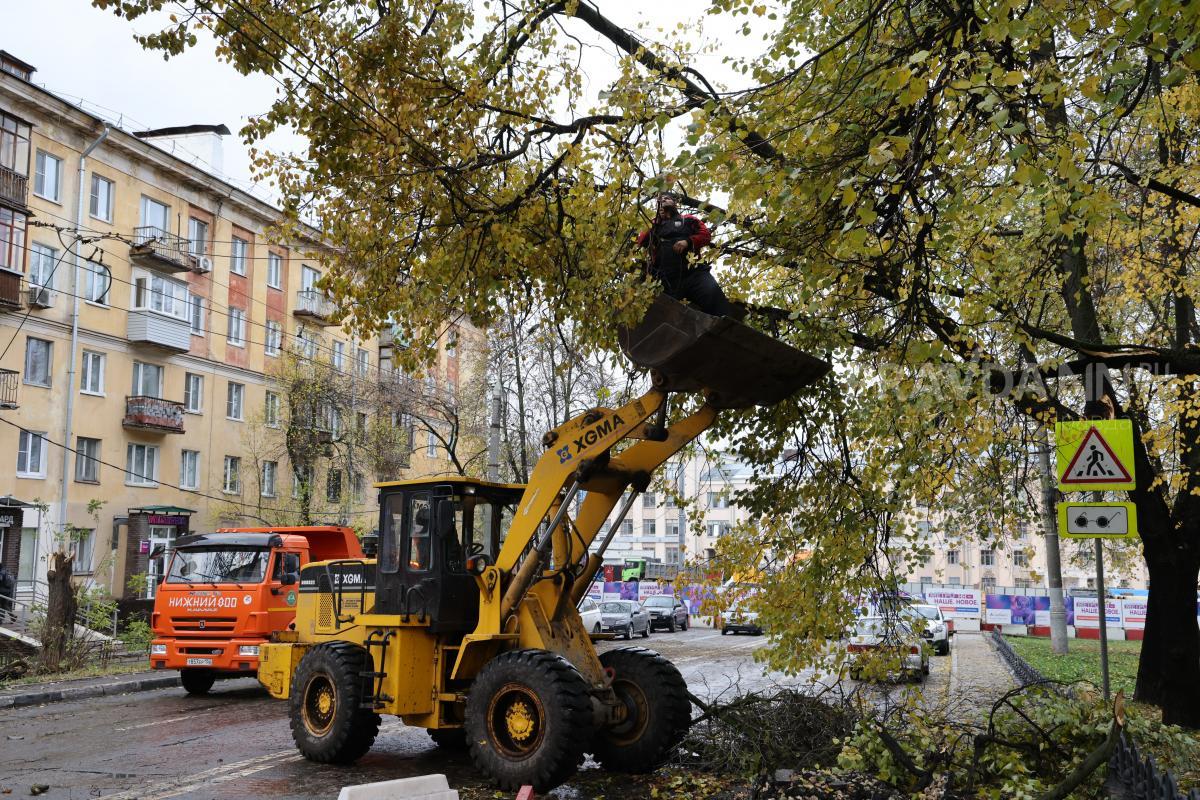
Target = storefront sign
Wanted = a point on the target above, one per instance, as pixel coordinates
(7, 520)
(143, 548)
(164, 519)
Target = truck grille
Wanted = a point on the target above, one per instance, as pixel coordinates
(204, 625)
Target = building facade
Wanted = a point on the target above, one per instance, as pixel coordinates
(146, 318)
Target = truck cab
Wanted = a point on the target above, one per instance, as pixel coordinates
(224, 593)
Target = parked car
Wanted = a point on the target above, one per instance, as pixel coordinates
(624, 617)
(739, 618)
(589, 612)
(891, 637)
(933, 627)
(666, 611)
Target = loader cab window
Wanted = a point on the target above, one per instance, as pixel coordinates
(389, 545)
(420, 532)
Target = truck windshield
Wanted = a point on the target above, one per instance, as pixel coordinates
(218, 565)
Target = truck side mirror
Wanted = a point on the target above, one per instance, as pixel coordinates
(289, 579)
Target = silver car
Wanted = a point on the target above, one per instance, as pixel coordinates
(625, 618)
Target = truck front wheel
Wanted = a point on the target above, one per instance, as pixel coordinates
(657, 711)
(197, 681)
(328, 723)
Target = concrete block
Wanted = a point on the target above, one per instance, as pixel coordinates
(422, 787)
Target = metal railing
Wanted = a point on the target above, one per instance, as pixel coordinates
(14, 186)
(9, 381)
(311, 303)
(153, 412)
(1025, 674)
(164, 246)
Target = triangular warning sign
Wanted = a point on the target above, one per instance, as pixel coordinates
(1094, 462)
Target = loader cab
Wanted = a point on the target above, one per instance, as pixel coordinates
(431, 533)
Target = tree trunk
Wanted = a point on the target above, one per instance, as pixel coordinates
(1169, 668)
(59, 627)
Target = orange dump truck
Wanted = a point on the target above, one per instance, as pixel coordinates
(224, 593)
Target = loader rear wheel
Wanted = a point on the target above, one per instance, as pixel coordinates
(657, 711)
(528, 717)
(328, 724)
(197, 681)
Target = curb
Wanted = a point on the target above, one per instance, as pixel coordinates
(44, 695)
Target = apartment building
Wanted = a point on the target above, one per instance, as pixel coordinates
(145, 313)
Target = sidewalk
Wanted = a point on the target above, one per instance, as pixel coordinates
(978, 675)
(32, 694)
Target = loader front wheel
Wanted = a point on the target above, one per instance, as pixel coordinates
(657, 711)
(528, 716)
(328, 724)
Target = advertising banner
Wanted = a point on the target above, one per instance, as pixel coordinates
(1133, 613)
(1013, 609)
(955, 603)
(596, 591)
(1087, 613)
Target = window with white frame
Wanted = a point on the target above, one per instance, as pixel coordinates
(162, 295)
(81, 543)
(47, 179)
(649, 527)
(1020, 558)
(141, 465)
(649, 500)
(274, 337)
(339, 355)
(952, 557)
(988, 584)
(147, 380)
(155, 215)
(362, 362)
(87, 460)
(274, 270)
(431, 446)
(301, 481)
(234, 397)
(91, 377)
(358, 486)
(237, 327)
(98, 282)
(232, 482)
(101, 203)
(718, 500)
(271, 410)
(309, 278)
(39, 358)
(42, 265)
(189, 469)
(193, 392)
(197, 237)
(196, 315)
(306, 342)
(987, 557)
(954, 580)
(266, 485)
(31, 454)
(627, 527)
(237, 255)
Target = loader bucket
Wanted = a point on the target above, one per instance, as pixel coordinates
(735, 364)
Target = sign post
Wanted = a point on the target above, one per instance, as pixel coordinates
(1095, 455)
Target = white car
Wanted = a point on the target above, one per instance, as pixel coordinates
(888, 637)
(934, 627)
(589, 612)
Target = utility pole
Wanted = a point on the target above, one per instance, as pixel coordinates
(1058, 609)
(493, 471)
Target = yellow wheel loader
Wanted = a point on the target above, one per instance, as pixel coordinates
(465, 622)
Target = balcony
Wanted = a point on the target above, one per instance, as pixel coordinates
(9, 381)
(10, 289)
(13, 188)
(314, 305)
(155, 248)
(153, 414)
(158, 331)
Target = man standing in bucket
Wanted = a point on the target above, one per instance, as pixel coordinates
(671, 237)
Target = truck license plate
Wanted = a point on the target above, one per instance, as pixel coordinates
(199, 662)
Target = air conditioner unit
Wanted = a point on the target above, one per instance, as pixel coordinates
(40, 297)
(204, 264)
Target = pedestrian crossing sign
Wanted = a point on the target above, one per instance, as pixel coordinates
(1094, 455)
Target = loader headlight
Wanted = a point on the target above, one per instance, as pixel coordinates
(158, 649)
(248, 650)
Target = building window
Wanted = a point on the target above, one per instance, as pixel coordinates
(1020, 558)
(1023, 583)
(271, 410)
(951, 557)
(14, 145)
(48, 176)
(155, 215)
(360, 422)
(431, 446)
(196, 315)
(237, 327)
(147, 380)
(988, 584)
(358, 486)
(99, 279)
(648, 527)
(102, 198)
(649, 500)
(234, 396)
(987, 557)
(362, 362)
(672, 555)
(274, 337)
(718, 500)
(82, 545)
(232, 483)
(189, 470)
(162, 295)
(301, 481)
(197, 237)
(141, 465)
(339, 355)
(31, 454)
(12, 240)
(333, 486)
(627, 527)
(274, 271)
(237, 256)
(266, 485)
(87, 460)
(718, 529)
(38, 360)
(309, 278)
(91, 379)
(306, 340)
(193, 392)
(43, 261)
(954, 580)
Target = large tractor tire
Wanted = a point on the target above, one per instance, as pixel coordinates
(197, 681)
(528, 717)
(328, 723)
(658, 711)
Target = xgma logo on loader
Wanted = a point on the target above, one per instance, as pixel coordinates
(599, 432)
